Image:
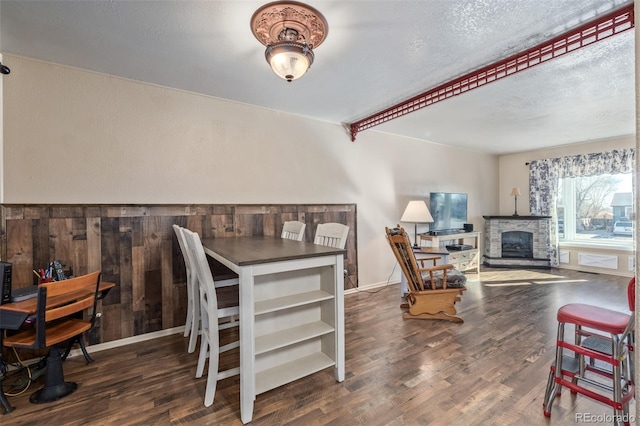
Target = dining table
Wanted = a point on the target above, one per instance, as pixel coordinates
(291, 297)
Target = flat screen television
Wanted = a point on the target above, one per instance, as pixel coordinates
(449, 211)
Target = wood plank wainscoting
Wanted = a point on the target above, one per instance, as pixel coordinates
(135, 247)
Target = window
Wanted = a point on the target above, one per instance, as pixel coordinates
(596, 209)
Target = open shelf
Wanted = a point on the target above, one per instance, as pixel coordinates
(286, 302)
(291, 336)
(462, 260)
(294, 370)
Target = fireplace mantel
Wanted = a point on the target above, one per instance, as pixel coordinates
(518, 217)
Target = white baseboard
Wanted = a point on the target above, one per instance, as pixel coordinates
(127, 341)
(597, 271)
(370, 286)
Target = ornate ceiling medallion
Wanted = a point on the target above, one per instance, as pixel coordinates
(290, 30)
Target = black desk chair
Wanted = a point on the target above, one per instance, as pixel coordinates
(56, 325)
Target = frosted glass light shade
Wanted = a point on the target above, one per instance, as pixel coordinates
(289, 60)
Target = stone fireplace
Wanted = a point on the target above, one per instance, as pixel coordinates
(516, 241)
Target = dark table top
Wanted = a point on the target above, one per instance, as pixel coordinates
(265, 249)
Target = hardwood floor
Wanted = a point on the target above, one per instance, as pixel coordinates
(490, 370)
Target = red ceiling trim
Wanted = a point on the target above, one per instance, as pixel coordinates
(591, 32)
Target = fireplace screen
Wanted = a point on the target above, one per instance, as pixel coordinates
(517, 244)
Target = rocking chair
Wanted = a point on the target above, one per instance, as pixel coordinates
(433, 290)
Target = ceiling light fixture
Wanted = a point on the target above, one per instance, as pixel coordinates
(290, 30)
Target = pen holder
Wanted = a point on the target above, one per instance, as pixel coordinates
(45, 280)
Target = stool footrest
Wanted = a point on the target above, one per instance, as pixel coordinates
(599, 397)
(570, 365)
(598, 343)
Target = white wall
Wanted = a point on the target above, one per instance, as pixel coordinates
(73, 136)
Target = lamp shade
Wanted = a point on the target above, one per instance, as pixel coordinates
(416, 212)
(515, 191)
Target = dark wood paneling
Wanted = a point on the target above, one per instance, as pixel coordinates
(135, 247)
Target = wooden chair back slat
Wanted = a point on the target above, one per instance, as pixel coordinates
(71, 285)
(67, 310)
(86, 285)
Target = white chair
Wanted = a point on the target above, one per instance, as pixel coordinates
(210, 313)
(192, 322)
(293, 230)
(331, 235)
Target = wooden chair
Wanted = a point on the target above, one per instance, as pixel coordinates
(293, 230)
(55, 323)
(192, 322)
(331, 235)
(433, 290)
(211, 313)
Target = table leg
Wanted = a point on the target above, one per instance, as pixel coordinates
(247, 362)
(3, 399)
(339, 317)
(55, 386)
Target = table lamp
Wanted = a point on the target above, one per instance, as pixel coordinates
(515, 192)
(416, 212)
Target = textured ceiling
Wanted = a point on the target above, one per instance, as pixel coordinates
(377, 53)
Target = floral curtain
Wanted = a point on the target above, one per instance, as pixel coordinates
(544, 176)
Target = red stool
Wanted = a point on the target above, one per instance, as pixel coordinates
(606, 338)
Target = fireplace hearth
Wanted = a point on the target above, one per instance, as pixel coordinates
(517, 241)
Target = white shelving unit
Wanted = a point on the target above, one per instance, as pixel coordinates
(291, 310)
(462, 260)
(294, 326)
